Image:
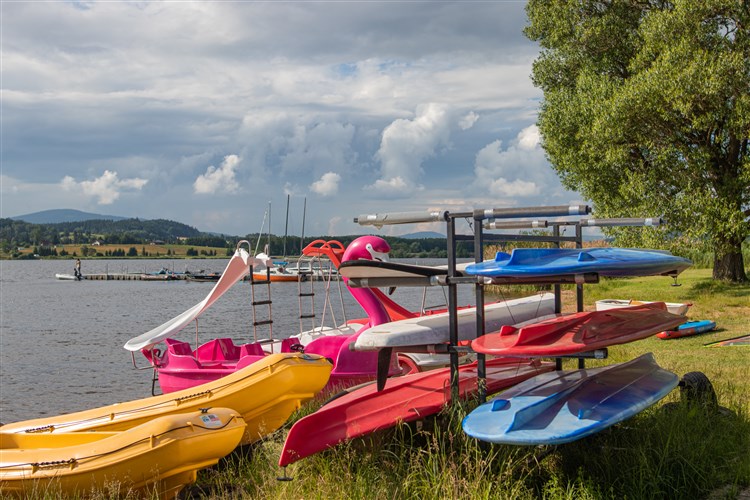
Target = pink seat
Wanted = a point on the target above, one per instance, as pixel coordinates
(286, 344)
(179, 356)
(217, 350)
(253, 349)
(230, 351)
(178, 347)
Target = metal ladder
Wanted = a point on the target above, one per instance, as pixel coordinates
(305, 294)
(258, 302)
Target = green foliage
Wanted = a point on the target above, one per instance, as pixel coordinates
(647, 111)
(128, 231)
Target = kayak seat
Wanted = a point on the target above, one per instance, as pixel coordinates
(253, 349)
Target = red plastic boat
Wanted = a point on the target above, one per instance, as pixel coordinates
(579, 332)
(405, 399)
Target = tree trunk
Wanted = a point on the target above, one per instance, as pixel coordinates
(730, 266)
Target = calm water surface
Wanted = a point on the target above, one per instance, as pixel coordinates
(61, 342)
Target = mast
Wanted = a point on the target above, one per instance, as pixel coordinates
(302, 239)
(286, 226)
(266, 213)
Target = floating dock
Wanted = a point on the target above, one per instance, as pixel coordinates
(126, 277)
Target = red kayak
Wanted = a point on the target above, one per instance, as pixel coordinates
(579, 332)
(405, 399)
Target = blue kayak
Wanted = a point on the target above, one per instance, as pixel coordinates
(563, 406)
(525, 262)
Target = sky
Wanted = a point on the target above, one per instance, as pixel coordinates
(207, 112)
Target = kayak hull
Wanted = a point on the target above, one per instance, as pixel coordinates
(579, 332)
(434, 329)
(565, 406)
(162, 455)
(404, 399)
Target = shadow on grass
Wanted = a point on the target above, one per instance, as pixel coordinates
(714, 287)
(675, 451)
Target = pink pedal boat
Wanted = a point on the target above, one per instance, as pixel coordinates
(177, 365)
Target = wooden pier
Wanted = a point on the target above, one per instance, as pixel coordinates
(128, 277)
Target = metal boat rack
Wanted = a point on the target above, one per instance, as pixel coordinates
(492, 219)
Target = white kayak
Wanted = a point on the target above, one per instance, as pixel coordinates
(680, 309)
(434, 328)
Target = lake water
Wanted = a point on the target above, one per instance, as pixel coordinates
(61, 342)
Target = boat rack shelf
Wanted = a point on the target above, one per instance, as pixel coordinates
(493, 219)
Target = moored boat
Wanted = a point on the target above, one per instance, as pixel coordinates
(264, 393)
(159, 456)
(275, 274)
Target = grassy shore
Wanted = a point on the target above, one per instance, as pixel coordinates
(672, 450)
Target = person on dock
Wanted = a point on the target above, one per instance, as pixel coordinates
(77, 270)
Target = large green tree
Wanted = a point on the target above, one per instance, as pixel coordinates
(646, 111)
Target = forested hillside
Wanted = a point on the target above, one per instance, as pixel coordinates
(18, 234)
(128, 231)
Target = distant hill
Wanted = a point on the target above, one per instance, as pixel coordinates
(422, 235)
(63, 215)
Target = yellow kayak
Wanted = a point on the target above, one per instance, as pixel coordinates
(264, 393)
(160, 456)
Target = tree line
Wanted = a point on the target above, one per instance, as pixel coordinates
(44, 237)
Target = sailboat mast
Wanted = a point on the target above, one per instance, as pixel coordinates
(269, 229)
(286, 226)
(260, 233)
(302, 239)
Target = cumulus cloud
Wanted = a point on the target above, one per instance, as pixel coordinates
(327, 185)
(468, 121)
(106, 188)
(219, 179)
(518, 171)
(406, 144)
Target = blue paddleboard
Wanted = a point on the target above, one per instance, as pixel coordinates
(524, 262)
(563, 406)
(688, 329)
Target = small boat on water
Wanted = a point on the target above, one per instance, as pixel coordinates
(68, 277)
(161, 456)
(203, 277)
(264, 393)
(275, 274)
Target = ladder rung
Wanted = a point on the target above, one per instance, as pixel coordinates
(266, 322)
(305, 316)
(259, 282)
(262, 302)
(305, 294)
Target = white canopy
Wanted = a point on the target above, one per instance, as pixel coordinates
(237, 268)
